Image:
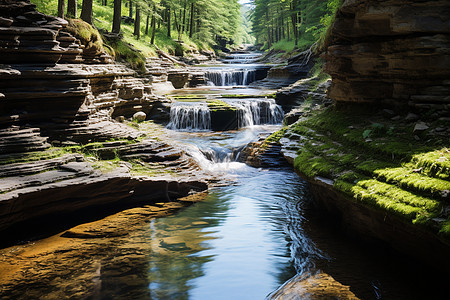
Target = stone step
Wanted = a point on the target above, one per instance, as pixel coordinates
(73, 170)
(26, 168)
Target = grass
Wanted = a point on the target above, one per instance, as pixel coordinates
(284, 45)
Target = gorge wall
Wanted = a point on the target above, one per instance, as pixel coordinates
(59, 93)
(392, 52)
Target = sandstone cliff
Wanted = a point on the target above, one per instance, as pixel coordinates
(58, 93)
(391, 51)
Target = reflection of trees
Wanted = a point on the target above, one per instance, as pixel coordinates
(282, 201)
(177, 243)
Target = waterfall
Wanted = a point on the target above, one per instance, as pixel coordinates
(189, 116)
(193, 116)
(226, 77)
(258, 112)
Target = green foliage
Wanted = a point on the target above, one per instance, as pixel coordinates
(213, 20)
(289, 24)
(284, 45)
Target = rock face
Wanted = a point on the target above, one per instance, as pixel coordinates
(55, 90)
(393, 52)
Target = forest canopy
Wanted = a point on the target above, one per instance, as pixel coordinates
(290, 24)
(203, 24)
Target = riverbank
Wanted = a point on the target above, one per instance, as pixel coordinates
(383, 172)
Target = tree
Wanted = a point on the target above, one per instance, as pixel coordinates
(61, 8)
(86, 11)
(137, 22)
(72, 8)
(117, 17)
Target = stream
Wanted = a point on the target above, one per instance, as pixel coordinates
(249, 237)
(254, 231)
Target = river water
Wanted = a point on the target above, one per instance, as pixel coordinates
(254, 231)
(252, 235)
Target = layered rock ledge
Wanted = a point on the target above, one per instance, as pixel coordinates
(62, 150)
(392, 52)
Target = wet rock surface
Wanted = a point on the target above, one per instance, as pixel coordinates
(316, 286)
(73, 263)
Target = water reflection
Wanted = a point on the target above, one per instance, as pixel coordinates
(233, 245)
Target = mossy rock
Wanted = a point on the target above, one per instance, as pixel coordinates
(217, 105)
(88, 36)
(388, 169)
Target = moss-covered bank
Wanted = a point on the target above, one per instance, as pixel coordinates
(386, 172)
(384, 160)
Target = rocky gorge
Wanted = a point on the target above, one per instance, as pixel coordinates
(59, 96)
(374, 149)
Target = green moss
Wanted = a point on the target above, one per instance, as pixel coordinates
(412, 180)
(445, 229)
(397, 194)
(386, 168)
(88, 35)
(274, 137)
(369, 166)
(400, 209)
(435, 163)
(126, 52)
(217, 104)
(245, 96)
(34, 156)
(312, 166)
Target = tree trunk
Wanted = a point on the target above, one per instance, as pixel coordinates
(137, 23)
(117, 18)
(269, 44)
(168, 22)
(147, 23)
(61, 8)
(72, 8)
(152, 41)
(86, 11)
(130, 6)
(177, 25)
(191, 30)
(294, 23)
(184, 17)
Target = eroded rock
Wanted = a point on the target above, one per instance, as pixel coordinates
(313, 286)
(392, 52)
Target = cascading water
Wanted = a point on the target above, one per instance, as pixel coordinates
(250, 112)
(226, 77)
(189, 116)
(258, 112)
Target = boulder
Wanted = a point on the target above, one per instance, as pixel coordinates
(139, 116)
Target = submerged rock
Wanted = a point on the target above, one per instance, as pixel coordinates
(312, 287)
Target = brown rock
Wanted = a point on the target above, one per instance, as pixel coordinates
(311, 287)
(393, 52)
